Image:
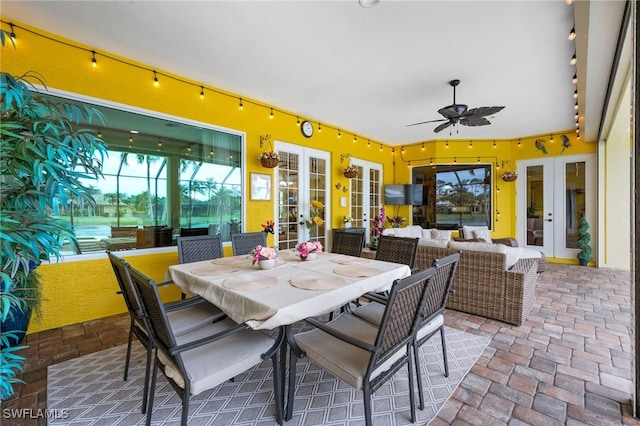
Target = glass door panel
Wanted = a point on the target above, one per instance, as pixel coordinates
(535, 205)
(575, 206)
(288, 196)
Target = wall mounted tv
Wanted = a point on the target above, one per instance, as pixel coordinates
(396, 195)
(414, 195)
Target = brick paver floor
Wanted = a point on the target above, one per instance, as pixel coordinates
(570, 363)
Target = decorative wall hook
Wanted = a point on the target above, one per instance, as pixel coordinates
(344, 156)
(265, 139)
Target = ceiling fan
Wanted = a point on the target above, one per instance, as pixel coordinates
(460, 114)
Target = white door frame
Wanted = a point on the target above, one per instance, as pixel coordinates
(555, 202)
(304, 185)
(366, 198)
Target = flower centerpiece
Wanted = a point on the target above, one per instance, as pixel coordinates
(265, 257)
(347, 221)
(269, 159)
(397, 221)
(351, 172)
(377, 228)
(308, 249)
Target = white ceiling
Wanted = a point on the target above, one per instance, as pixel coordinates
(368, 71)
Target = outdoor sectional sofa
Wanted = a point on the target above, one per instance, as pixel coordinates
(492, 280)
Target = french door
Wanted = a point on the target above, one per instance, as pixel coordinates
(366, 194)
(303, 177)
(552, 194)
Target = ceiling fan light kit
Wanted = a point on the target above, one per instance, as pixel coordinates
(455, 114)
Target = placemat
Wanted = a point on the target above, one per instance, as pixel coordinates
(215, 270)
(250, 282)
(231, 261)
(317, 283)
(356, 271)
(347, 260)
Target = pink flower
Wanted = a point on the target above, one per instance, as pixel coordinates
(264, 253)
(308, 247)
(378, 223)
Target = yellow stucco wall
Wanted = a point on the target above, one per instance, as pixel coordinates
(77, 290)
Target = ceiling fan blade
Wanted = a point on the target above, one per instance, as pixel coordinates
(442, 126)
(424, 122)
(474, 121)
(484, 111)
(453, 111)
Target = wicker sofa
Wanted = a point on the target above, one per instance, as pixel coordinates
(483, 285)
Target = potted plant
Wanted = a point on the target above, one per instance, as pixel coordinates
(351, 172)
(347, 221)
(583, 243)
(377, 228)
(269, 159)
(397, 221)
(44, 156)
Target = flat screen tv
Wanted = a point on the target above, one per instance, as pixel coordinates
(394, 194)
(414, 195)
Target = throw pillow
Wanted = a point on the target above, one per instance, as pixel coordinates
(426, 234)
(484, 234)
(467, 231)
(437, 234)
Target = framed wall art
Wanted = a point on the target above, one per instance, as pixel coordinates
(260, 187)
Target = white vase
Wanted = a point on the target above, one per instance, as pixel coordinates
(310, 256)
(267, 264)
(347, 224)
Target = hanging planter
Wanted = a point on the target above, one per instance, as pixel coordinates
(509, 176)
(269, 159)
(351, 172)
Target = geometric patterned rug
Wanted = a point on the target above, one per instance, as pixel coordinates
(89, 390)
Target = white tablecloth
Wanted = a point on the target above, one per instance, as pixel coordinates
(281, 304)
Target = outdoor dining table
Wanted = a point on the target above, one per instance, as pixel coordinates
(290, 292)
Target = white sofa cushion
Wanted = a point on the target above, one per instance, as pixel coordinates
(390, 231)
(438, 234)
(413, 231)
(481, 234)
(433, 243)
(426, 234)
(529, 253)
(468, 231)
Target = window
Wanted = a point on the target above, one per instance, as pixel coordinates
(454, 195)
(160, 176)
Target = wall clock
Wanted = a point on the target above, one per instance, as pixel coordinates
(307, 129)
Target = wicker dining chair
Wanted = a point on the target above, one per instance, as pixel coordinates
(197, 248)
(432, 312)
(185, 316)
(347, 243)
(245, 242)
(204, 358)
(361, 354)
(398, 250)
